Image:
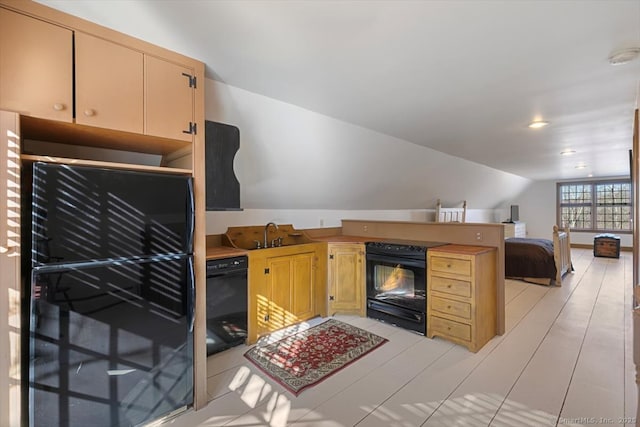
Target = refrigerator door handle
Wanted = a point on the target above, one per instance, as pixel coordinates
(192, 295)
(192, 216)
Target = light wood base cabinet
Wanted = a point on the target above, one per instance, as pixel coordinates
(346, 276)
(284, 287)
(461, 294)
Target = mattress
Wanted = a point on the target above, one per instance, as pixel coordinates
(526, 257)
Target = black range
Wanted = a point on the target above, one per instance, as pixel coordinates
(396, 282)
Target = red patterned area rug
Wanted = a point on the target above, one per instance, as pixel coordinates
(305, 358)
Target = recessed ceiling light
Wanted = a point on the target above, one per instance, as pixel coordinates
(537, 124)
(581, 166)
(567, 152)
(624, 56)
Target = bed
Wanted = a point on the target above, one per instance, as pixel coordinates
(541, 261)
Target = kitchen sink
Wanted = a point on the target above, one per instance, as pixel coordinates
(252, 237)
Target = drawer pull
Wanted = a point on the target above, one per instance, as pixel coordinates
(448, 307)
(449, 286)
(448, 265)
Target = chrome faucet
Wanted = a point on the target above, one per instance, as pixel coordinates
(266, 230)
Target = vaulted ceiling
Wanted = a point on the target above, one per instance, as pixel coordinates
(462, 77)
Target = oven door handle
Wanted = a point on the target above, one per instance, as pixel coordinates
(396, 312)
(397, 260)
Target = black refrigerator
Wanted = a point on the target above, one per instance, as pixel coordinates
(111, 295)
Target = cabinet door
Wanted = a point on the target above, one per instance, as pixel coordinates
(346, 279)
(302, 286)
(279, 284)
(36, 67)
(259, 301)
(168, 99)
(109, 85)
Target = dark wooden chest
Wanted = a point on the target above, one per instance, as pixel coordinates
(606, 245)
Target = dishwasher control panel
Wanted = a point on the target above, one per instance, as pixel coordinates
(226, 265)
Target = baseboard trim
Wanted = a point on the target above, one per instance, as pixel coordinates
(588, 246)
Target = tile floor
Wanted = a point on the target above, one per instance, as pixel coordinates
(565, 360)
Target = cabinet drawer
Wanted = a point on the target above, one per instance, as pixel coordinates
(454, 308)
(451, 265)
(450, 286)
(450, 328)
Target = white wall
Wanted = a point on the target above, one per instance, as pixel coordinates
(217, 222)
(306, 166)
(302, 168)
(538, 209)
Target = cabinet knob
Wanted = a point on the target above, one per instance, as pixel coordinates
(59, 107)
(89, 112)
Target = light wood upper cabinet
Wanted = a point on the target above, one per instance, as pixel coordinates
(36, 61)
(116, 87)
(168, 99)
(124, 89)
(346, 278)
(109, 84)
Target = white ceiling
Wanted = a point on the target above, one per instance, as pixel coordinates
(461, 77)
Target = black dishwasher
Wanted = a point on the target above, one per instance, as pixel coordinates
(226, 303)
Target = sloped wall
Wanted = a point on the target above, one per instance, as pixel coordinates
(292, 158)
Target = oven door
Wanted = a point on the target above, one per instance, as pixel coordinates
(396, 291)
(397, 280)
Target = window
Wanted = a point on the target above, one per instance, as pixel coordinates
(602, 206)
